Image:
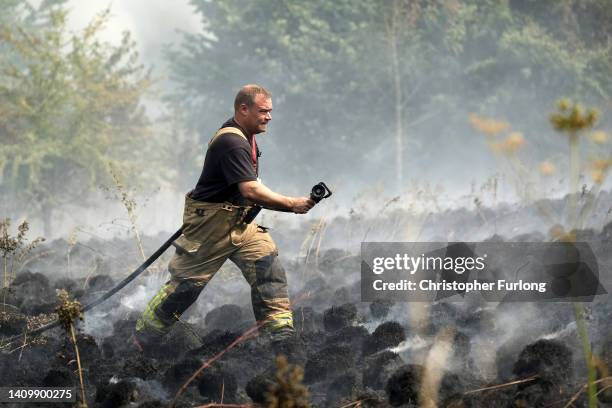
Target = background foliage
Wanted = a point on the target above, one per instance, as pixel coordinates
(364, 92)
(69, 106)
(360, 80)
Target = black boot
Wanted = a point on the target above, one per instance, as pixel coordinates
(146, 341)
(286, 342)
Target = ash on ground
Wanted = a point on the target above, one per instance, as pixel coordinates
(381, 354)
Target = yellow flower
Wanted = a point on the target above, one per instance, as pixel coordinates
(597, 176)
(564, 104)
(599, 137)
(601, 164)
(547, 168)
(515, 141)
(572, 117)
(511, 144)
(599, 169)
(489, 127)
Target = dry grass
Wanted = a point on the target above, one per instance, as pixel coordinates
(354, 404)
(14, 250)
(129, 203)
(572, 120)
(248, 334)
(583, 388)
(287, 391)
(306, 248)
(67, 312)
(500, 386)
(434, 368)
(72, 241)
(121, 192)
(372, 224)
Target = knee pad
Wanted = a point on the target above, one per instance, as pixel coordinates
(270, 270)
(179, 300)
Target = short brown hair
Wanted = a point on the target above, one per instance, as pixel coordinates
(247, 94)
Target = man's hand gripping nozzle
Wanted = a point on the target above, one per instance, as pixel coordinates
(317, 193)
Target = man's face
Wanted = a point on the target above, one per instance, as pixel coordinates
(256, 117)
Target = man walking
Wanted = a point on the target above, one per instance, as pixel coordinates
(214, 231)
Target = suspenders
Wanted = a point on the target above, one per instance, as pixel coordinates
(225, 130)
(234, 130)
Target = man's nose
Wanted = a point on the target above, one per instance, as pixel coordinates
(269, 115)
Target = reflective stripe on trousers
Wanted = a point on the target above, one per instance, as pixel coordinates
(212, 234)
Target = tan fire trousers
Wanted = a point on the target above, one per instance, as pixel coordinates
(212, 233)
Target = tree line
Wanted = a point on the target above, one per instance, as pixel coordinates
(362, 89)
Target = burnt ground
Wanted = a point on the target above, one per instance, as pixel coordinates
(349, 350)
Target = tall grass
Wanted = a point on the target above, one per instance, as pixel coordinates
(67, 312)
(572, 121)
(14, 251)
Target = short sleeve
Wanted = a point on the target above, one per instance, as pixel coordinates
(236, 166)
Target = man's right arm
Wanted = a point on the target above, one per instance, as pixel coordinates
(259, 194)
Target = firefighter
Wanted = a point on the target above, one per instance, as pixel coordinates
(214, 231)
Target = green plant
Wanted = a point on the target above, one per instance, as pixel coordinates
(70, 103)
(572, 119)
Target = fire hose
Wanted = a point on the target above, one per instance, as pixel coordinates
(318, 192)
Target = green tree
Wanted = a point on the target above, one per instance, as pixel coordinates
(416, 44)
(539, 52)
(69, 105)
(357, 77)
(294, 49)
(383, 89)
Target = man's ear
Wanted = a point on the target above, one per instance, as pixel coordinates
(243, 109)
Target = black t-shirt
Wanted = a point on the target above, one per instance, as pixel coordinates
(228, 161)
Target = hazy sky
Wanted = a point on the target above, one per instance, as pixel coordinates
(151, 22)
